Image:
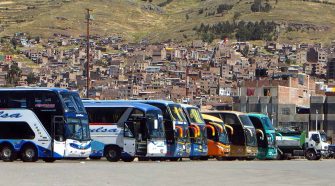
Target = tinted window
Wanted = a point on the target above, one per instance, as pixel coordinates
(16, 130)
(246, 120)
(17, 100)
(104, 115)
(195, 116)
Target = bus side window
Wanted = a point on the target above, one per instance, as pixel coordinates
(17, 130)
(17, 100)
(46, 105)
(3, 100)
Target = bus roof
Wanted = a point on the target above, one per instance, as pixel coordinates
(35, 89)
(212, 118)
(140, 101)
(141, 106)
(226, 111)
(188, 106)
(258, 115)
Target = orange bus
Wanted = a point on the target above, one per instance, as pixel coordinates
(217, 137)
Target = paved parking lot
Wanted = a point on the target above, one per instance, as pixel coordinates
(70, 172)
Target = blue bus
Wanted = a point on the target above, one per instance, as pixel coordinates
(125, 130)
(197, 132)
(175, 125)
(42, 123)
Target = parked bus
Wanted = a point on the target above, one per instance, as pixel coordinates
(45, 123)
(175, 125)
(243, 140)
(217, 137)
(125, 130)
(266, 136)
(197, 132)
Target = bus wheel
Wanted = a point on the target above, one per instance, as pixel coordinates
(204, 158)
(174, 159)
(143, 159)
(112, 154)
(29, 154)
(95, 157)
(7, 153)
(128, 159)
(49, 160)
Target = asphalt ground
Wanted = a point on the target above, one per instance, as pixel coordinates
(186, 172)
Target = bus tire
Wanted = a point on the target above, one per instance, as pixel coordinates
(143, 159)
(49, 160)
(95, 157)
(112, 154)
(174, 159)
(128, 159)
(29, 153)
(7, 153)
(204, 158)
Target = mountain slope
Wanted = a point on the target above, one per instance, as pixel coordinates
(300, 21)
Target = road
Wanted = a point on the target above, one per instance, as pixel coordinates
(70, 172)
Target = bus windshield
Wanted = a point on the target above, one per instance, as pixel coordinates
(195, 116)
(223, 137)
(177, 113)
(78, 102)
(250, 134)
(246, 121)
(77, 129)
(72, 102)
(267, 123)
(155, 118)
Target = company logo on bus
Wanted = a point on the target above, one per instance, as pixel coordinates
(103, 129)
(3, 114)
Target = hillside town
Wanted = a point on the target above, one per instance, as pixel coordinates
(279, 79)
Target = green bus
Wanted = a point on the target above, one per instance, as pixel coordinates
(266, 136)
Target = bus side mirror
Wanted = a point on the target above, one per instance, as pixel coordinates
(155, 124)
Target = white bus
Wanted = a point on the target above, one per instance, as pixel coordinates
(125, 131)
(42, 123)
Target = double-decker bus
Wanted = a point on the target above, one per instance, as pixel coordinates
(125, 130)
(197, 132)
(42, 123)
(243, 141)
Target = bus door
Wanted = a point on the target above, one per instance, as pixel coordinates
(129, 140)
(58, 142)
(138, 126)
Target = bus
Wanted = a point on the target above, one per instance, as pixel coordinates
(125, 130)
(243, 140)
(197, 132)
(42, 123)
(217, 137)
(175, 125)
(266, 136)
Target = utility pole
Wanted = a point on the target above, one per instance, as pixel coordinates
(316, 120)
(88, 18)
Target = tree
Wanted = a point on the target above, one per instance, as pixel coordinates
(14, 73)
(31, 78)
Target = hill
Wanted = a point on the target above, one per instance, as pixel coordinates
(160, 20)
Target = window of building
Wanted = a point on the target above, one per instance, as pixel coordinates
(286, 111)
